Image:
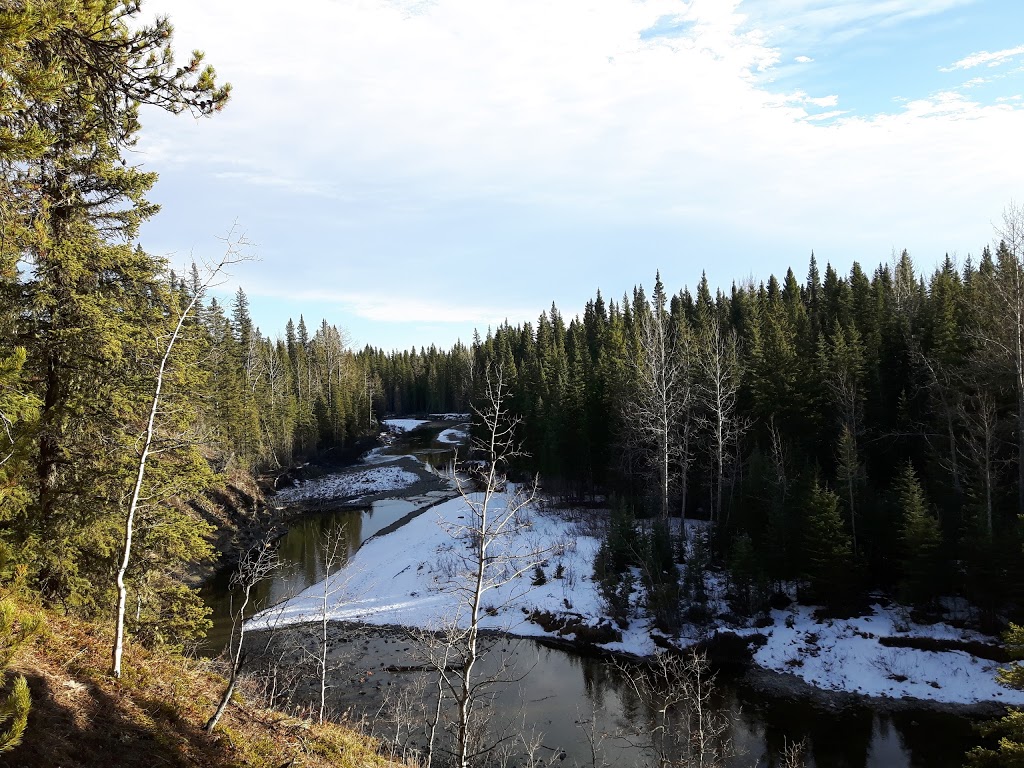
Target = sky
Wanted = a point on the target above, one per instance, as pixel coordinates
(412, 170)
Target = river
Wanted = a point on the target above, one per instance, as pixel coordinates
(569, 699)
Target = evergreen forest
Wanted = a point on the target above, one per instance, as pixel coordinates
(852, 431)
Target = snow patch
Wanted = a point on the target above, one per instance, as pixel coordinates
(402, 425)
(375, 480)
(454, 435)
(845, 655)
(401, 579)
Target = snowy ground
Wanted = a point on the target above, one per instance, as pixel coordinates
(358, 483)
(404, 578)
(403, 425)
(454, 435)
(845, 655)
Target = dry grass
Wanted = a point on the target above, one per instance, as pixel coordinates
(154, 715)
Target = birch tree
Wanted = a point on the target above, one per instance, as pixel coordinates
(661, 392)
(335, 553)
(494, 550)
(232, 254)
(1006, 334)
(717, 389)
(979, 422)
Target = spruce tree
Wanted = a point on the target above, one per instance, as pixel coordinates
(921, 539)
(828, 552)
(76, 74)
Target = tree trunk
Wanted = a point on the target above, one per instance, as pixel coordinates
(122, 592)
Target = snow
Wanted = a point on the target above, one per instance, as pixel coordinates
(845, 655)
(358, 483)
(405, 578)
(454, 435)
(401, 579)
(379, 455)
(451, 416)
(403, 425)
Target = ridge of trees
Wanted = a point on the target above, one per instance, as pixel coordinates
(880, 412)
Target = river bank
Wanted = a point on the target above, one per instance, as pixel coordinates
(406, 578)
(375, 628)
(247, 510)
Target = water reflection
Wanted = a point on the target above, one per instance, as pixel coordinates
(576, 701)
(301, 552)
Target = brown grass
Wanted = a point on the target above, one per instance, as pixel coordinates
(154, 715)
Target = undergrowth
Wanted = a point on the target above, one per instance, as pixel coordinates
(154, 715)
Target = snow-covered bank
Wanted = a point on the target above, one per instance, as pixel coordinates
(401, 579)
(357, 483)
(404, 578)
(454, 435)
(846, 655)
(403, 425)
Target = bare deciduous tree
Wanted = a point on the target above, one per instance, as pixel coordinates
(717, 390)
(979, 421)
(335, 552)
(493, 550)
(233, 253)
(1009, 285)
(658, 409)
(256, 565)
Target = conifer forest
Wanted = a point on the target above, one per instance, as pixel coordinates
(851, 433)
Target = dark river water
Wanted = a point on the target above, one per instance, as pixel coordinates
(569, 700)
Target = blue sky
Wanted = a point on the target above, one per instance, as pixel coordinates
(414, 170)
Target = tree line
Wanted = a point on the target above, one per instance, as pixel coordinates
(851, 431)
(85, 318)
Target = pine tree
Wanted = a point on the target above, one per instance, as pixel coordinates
(1010, 729)
(75, 76)
(850, 475)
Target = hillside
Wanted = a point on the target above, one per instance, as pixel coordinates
(155, 715)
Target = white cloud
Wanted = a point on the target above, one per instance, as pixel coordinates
(803, 59)
(398, 307)
(525, 105)
(991, 59)
(831, 115)
(824, 101)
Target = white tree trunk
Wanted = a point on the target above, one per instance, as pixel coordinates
(231, 255)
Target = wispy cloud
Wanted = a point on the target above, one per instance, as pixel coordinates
(300, 185)
(835, 21)
(403, 306)
(822, 116)
(988, 58)
(552, 120)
